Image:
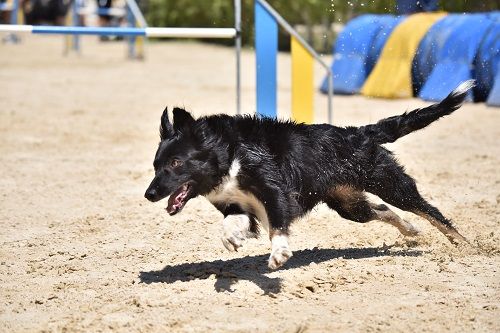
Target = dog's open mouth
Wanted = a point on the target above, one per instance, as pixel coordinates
(178, 199)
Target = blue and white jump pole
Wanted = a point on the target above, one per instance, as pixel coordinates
(110, 31)
(131, 12)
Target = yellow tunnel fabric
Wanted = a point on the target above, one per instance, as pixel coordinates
(302, 84)
(391, 77)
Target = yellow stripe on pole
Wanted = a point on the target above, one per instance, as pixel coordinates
(302, 84)
(139, 42)
(68, 39)
(20, 13)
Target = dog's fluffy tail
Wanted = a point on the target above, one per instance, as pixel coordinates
(392, 128)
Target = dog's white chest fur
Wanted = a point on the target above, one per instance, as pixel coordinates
(229, 192)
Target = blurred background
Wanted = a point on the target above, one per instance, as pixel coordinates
(317, 20)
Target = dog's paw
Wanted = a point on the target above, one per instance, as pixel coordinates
(413, 232)
(278, 257)
(233, 241)
(235, 231)
(409, 230)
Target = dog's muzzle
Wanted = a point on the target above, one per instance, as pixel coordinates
(152, 195)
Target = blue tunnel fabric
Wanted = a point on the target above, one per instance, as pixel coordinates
(494, 96)
(488, 61)
(455, 60)
(352, 50)
(431, 45)
(456, 48)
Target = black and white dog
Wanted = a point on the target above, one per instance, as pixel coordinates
(264, 172)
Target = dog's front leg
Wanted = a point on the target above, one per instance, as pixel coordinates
(278, 209)
(236, 228)
(280, 252)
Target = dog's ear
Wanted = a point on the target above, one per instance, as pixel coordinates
(166, 128)
(182, 120)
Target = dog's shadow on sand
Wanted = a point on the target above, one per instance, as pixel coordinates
(254, 268)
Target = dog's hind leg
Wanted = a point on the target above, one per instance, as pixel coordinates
(387, 215)
(353, 205)
(394, 186)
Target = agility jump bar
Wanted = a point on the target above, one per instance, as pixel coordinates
(267, 21)
(107, 31)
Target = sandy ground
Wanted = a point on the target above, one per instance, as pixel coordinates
(82, 250)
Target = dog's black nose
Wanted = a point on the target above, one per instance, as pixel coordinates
(151, 194)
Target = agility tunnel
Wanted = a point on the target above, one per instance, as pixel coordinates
(456, 58)
(391, 77)
(357, 49)
(488, 63)
(425, 55)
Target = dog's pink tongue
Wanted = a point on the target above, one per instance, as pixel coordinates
(175, 201)
(174, 205)
(171, 207)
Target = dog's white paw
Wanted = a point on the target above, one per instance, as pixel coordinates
(411, 230)
(407, 229)
(233, 242)
(278, 257)
(235, 231)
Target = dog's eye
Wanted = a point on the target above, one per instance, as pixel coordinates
(175, 163)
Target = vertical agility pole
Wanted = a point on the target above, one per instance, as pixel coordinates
(132, 39)
(301, 52)
(302, 83)
(266, 47)
(14, 14)
(135, 19)
(72, 43)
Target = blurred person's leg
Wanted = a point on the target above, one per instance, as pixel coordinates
(104, 19)
(61, 10)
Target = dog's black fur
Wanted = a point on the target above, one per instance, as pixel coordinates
(292, 167)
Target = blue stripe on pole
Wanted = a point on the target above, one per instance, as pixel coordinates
(40, 29)
(14, 12)
(131, 40)
(266, 47)
(76, 22)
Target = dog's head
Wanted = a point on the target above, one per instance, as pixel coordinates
(184, 167)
